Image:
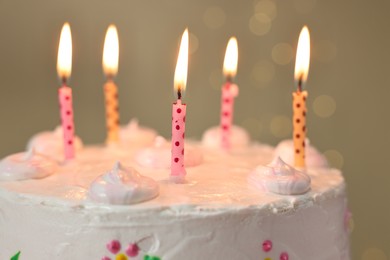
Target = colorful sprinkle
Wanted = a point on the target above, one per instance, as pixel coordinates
(267, 245)
(114, 246)
(132, 250)
(284, 256)
(106, 258)
(121, 257)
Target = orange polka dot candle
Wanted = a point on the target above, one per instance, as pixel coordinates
(64, 68)
(110, 68)
(299, 97)
(229, 91)
(178, 171)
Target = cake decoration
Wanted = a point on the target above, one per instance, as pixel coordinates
(239, 137)
(267, 245)
(314, 159)
(26, 165)
(122, 186)
(143, 246)
(281, 178)
(134, 134)
(178, 171)
(229, 91)
(110, 68)
(159, 155)
(50, 143)
(16, 256)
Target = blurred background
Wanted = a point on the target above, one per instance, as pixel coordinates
(348, 83)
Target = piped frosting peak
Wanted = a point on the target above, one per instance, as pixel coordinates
(123, 186)
(281, 178)
(26, 165)
(212, 137)
(134, 134)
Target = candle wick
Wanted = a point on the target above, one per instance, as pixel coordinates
(300, 82)
(63, 80)
(229, 78)
(179, 94)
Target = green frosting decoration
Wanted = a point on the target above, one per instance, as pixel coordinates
(16, 257)
(149, 257)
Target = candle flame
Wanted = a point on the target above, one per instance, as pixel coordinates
(180, 79)
(303, 57)
(111, 52)
(64, 58)
(231, 58)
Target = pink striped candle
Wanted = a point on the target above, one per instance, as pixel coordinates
(64, 68)
(178, 171)
(229, 92)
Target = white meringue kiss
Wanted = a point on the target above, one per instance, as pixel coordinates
(123, 186)
(51, 143)
(134, 134)
(159, 155)
(281, 178)
(314, 158)
(212, 137)
(26, 165)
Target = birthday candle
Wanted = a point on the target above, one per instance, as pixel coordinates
(110, 67)
(299, 97)
(64, 68)
(178, 171)
(229, 91)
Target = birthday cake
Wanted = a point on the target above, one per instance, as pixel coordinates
(117, 202)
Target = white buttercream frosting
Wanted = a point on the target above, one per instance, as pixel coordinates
(314, 158)
(281, 178)
(122, 186)
(159, 155)
(134, 134)
(239, 137)
(26, 165)
(51, 143)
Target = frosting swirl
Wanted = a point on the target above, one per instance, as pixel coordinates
(26, 165)
(212, 137)
(281, 178)
(314, 158)
(123, 186)
(135, 134)
(51, 143)
(159, 155)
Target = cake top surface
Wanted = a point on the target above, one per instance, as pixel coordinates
(217, 184)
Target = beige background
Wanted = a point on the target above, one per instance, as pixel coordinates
(349, 79)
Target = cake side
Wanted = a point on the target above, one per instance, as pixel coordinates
(215, 215)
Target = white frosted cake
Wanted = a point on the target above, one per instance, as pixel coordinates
(117, 202)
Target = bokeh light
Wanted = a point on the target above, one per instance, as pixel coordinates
(335, 158)
(374, 254)
(260, 24)
(324, 106)
(266, 7)
(263, 72)
(282, 53)
(194, 43)
(281, 126)
(214, 17)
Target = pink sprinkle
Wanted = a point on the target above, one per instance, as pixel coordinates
(132, 250)
(114, 246)
(284, 256)
(106, 258)
(267, 245)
